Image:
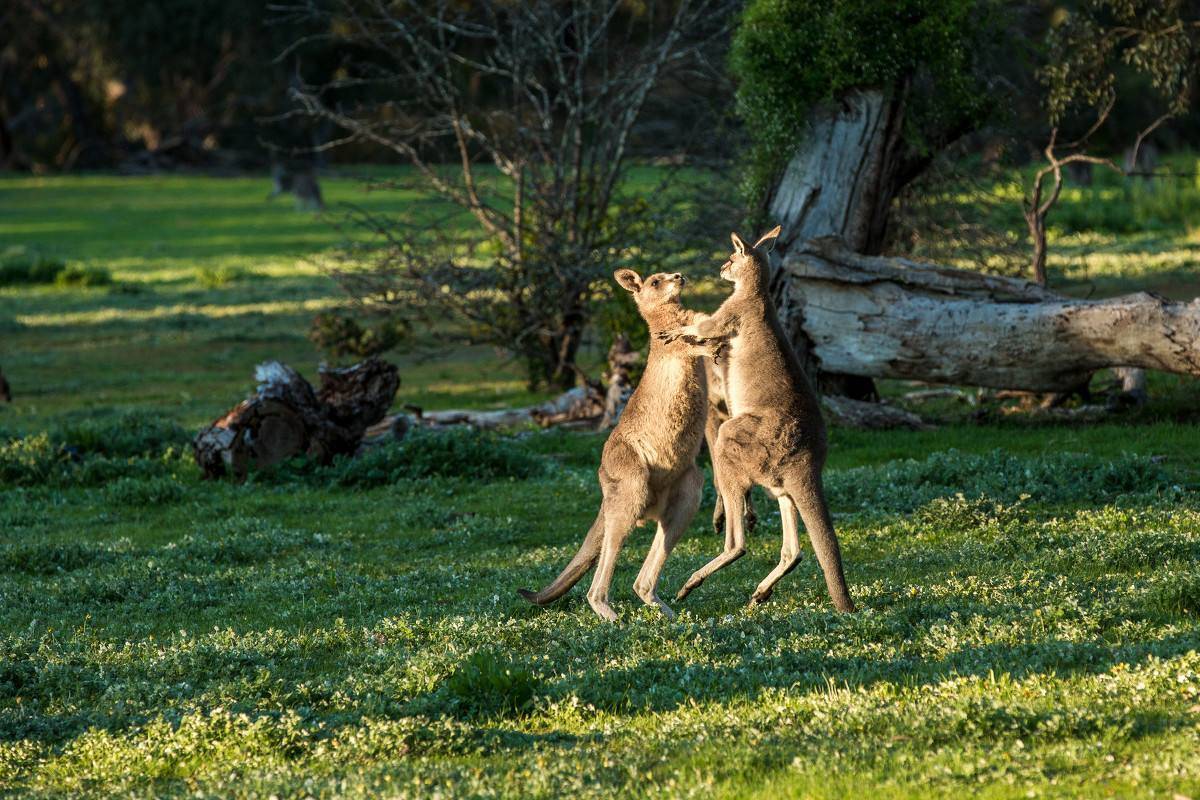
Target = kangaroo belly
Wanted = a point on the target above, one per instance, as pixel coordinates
(670, 422)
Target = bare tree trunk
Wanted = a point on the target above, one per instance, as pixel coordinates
(894, 318)
(840, 183)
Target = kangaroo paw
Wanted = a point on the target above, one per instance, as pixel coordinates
(691, 584)
(761, 596)
(603, 610)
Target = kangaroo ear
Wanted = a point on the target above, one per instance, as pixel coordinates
(629, 280)
(767, 242)
(738, 244)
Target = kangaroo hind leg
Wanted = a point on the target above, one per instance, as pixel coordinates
(789, 551)
(680, 509)
(621, 509)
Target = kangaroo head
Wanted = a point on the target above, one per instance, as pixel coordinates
(657, 290)
(747, 261)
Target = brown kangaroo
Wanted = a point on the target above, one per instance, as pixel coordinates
(648, 469)
(775, 436)
(718, 413)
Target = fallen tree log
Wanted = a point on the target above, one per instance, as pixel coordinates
(286, 417)
(895, 318)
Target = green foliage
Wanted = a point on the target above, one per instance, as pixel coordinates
(456, 452)
(142, 492)
(30, 461)
(125, 434)
(135, 446)
(37, 270)
(1093, 45)
(339, 336)
(220, 276)
(83, 277)
(903, 485)
(490, 683)
(791, 55)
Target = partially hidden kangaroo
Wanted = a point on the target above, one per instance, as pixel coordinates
(775, 436)
(718, 413)
(648, 468)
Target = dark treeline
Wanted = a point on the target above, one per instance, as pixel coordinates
(98, 84)
(94, 84)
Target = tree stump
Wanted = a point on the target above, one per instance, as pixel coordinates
(287, 418)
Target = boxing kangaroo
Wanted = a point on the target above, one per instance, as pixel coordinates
(648, 468)
(775, 436)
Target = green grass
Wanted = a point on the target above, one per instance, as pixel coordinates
(1029, 593)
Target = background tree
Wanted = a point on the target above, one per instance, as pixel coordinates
(534, 105)
(846, 102)
(1096, 53)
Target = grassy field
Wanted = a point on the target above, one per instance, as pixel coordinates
(1029, 593)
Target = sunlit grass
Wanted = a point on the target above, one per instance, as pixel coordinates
(1028, 593)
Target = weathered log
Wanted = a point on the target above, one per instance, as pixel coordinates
(621, 360)
(850, 413)
(840, 182)
(287, 418)
(895, 318)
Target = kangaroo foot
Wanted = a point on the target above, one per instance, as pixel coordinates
(691, 584)
(603, 609)
(652, 599)
(761, 596)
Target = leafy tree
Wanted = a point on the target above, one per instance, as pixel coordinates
(517, 120)
(1092, 49)
(791, 56)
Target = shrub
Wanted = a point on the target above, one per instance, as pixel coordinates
(488, 683)
(338, 335)
(40, 461)
(1059, 478)
(453, 453)
(222, 276)
(134, 492)
(79, 276)
(125, 435)
(30, 461)
(36, 270)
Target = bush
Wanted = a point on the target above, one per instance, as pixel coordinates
(31, 461)
(222, 276)
(338, 335)
(452, 453)
(84, 277)
(789, 55)
(488, 684)
(128, 434)
(37, 270)
(1059, 478)
(130, 492)
(39, 461)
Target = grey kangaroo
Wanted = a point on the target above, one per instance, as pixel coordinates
(718, 413)
(648, 468)
(775, 436)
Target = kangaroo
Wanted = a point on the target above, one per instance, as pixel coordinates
(775, 436)
(648, 468)
(718, 412)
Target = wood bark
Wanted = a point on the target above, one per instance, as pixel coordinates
(840, 182)
(286, 417)
(896, 318)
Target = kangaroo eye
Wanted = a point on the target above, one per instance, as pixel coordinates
(654, 283)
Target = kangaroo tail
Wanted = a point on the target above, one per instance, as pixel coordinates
(579, 566)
